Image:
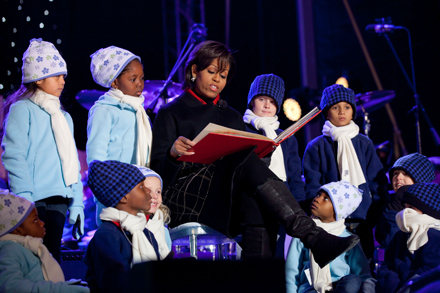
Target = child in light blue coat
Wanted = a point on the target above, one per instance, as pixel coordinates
(350, 271)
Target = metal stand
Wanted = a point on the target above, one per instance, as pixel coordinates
(198, 34)
(418, 108)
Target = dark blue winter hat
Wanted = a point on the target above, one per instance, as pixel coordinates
(425, 197)
(335, 94)
(269, 85)
(417, 166)
(112, 180)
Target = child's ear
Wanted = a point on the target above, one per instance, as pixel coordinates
(114, 84)
(18, 231)
(123, 200)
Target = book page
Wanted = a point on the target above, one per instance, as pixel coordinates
(215, 128)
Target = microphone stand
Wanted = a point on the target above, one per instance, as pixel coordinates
(418, 108)
(197, 34)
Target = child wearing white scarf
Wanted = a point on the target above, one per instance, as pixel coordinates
(329, 215)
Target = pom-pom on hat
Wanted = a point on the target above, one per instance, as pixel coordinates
(14, 210)
(148, 173)
(112, 180)
(41, 60)
(425, 197)
(345, 198)
(417, 166)
(335, 94)
(267, 85)
(108, 63)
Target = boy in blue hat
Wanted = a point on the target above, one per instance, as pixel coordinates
(122, 239)
(265, 99)
(414, 249)
(342, 153)
(407, 170)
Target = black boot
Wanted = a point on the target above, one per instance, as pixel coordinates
(257, 243)
(325, 247)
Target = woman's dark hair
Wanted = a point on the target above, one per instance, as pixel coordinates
(202, 56)
(24, 91)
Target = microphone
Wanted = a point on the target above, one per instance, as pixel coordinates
(381, 28)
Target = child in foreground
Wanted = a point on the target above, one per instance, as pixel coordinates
(25, 263)
(350, 271)
(414, 249)
(122, 239)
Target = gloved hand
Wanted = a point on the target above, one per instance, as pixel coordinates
(76, 218)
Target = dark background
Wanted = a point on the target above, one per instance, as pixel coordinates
(264, 36)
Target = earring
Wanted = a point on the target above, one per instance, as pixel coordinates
(193, 79)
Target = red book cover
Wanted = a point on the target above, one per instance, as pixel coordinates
(216, 141)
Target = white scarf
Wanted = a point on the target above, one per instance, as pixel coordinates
(144, 134)
(63, 136)
(348, 162)
(142, 249)
(321, 277)
(50, 267)
(268, 125)
(156, 226)
(409, 221)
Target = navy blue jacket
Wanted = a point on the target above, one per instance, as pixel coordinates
(400, 265)
(320, 167)
(292, 164)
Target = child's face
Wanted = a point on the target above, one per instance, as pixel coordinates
(264, 106)
(210, 82)
(131, 81)
(401, 178)
(340, 114)
(138, 199)
(322, 207)
(408, 206)
(153, 184)
(32, 226)
(53, 85)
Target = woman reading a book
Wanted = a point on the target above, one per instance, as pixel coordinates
(237, 193)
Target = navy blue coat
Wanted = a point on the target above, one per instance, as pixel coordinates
(292, 163)
(400, 265)
(320, 167)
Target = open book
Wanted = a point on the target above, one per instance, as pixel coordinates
(216, 141)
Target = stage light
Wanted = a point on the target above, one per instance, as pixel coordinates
(41, 25)
(28, 19)
(342, 81)
(46, 12)
(14, 30)
(292, 109)
(19, 7)
(12, 44)
(58, 41)
(9, 73)
(1, 86)
(15, 60)
(3, 19)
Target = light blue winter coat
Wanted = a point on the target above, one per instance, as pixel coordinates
(111, 131)
(350, 262)
(20, 271)
(31, 156)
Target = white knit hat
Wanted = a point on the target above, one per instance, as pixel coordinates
(148, 173)
(108, 63)
(14, 210)
(345, 197)
(42, 60)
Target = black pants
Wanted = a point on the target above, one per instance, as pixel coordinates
(52, 211)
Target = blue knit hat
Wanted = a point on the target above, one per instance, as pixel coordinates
(335, 94)
(425, 197)
(112, 180)
(148, 173)
(267, 85)
(345, 197)
(419, 167)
